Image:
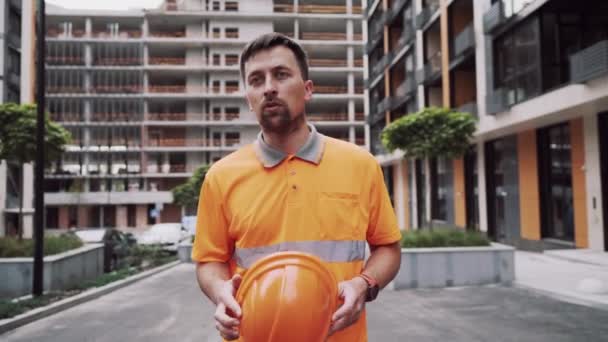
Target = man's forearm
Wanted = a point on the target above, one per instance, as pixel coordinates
(383, 263)
(210, 276)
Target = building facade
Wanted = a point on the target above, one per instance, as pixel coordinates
(16, 86)
(535, 75)
(150, 95)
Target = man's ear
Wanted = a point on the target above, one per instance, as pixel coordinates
(308, 89)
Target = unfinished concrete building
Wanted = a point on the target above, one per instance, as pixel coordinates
(150, 95)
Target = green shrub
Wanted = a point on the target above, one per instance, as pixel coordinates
(443, 238)
(11, 247)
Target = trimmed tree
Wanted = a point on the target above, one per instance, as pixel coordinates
(18, 141)
(430, 133)
(186, 194)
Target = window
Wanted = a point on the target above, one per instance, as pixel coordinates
(217, 113)
(518, 62)
(232, 32)
(216, 5)
(216, 85)
(232, 86)
(232, 59)
(233, 138)
(232, 6)
(216, 32)
(232, 113)
(216, 59)
(113, 29)
(442, 196)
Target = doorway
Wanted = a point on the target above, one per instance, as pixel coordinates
(503, 190)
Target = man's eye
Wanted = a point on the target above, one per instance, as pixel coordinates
(254, 80)
(282, 74)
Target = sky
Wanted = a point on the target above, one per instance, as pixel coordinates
(105, 4)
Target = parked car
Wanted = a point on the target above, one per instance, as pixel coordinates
(166, 235)
(116, 245)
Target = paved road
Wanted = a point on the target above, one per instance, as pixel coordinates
(169, 307)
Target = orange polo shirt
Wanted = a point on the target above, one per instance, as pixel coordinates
(328, 199)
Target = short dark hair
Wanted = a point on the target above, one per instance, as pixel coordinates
(270, 40)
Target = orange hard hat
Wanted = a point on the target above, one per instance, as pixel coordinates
(287, 296)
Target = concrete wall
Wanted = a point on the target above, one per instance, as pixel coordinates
(256, 6)
(458, 266)
(61, 271)
(594, 184)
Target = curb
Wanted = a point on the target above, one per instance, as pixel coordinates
(564, 297)
(88, 295)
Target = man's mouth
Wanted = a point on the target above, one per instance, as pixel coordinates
(272, 105)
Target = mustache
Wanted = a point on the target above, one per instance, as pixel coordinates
(272, 102)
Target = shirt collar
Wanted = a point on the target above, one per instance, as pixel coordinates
(311, 151)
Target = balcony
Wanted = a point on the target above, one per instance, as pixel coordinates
(377, 26)
(495, 17)
(126, 61)
(167, 61)
(395, 9)
(470, 108)
(406, 38)
(327, 63)
(320, 89)
(404, 92)
(381, 65)
(65, 60)
(372, 42)
(115, 117)
(589, 63)
(60, 33)
(315, 9)
(76, 89)
(497, 101)
(168, 34)
(426, 14)
(230, 142)
(167, 116)
(328, 116)
(431, 69)
(66, 117)
(122, 34)
(116, 89)
(184, 142)
(465, 41)
(326, 36)
(172, 89)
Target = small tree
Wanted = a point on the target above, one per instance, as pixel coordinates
(186, 194)
(430, 133)
(18, 141)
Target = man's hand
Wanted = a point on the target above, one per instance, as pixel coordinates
(353, 293)
(228, 312)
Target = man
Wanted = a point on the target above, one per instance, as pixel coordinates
(293, 189)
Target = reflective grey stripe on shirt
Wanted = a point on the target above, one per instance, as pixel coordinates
(329, 251)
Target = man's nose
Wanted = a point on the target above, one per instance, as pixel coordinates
(270, 89)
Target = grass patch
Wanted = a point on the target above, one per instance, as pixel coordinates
(11, 247)
(10, 309)
(443, 238)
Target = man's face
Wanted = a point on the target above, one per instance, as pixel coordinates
(275, 89)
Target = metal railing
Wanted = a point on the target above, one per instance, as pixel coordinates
(589, 63)
(470, 107)
(167, 60)
(379, 67)
(494, 17)
(465, 40)
(497, 101)
(426, 14)
(431, 69)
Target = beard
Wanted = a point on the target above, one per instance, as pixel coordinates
(279, 120)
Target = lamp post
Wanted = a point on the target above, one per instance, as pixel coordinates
(38, 282)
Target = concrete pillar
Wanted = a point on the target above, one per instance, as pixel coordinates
(593, 182)
(144, 28)
(481, 186)
(2, 196)
(579, 189)
(296, 29)
(349, 29)
(83, 216)
(88, 26)
(28, 200)
(64, 217)
(146, 55)
(398, 188)
(349, 7)
(141, 216)
(414, 194)
(121, 216)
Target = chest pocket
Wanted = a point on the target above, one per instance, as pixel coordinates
(340, 216)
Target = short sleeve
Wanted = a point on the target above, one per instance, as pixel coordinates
(382, 228)
(212, 241)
